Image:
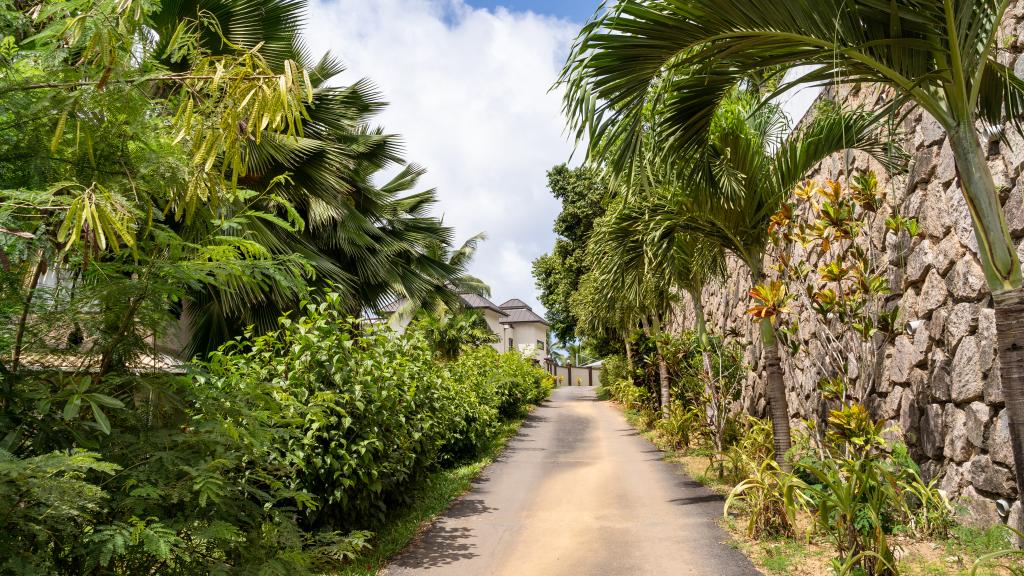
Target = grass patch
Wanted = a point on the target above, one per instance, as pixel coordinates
(429, 499)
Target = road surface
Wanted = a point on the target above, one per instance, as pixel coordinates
(577, 492)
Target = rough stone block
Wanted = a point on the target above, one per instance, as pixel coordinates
(961, 216)
(939, 380)
(932, 428)
(999, 447)
(1014, 208)
(957, 447)
(919, 262)
(978, 510)
(994, 385)
(986, 338)
(992, 478)
(977, 417)
(953, 479)
(904, 357)
(933, 294)
(945, 164)
(961, 321)
(967, 280)
(947, 253)
(966, 382)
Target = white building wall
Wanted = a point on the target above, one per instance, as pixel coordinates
(530, 337)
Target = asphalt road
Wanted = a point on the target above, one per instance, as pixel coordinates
(577, 492)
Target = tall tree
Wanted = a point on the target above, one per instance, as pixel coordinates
(583, 195)
(938, 55)
(640, 257)
(739, 178)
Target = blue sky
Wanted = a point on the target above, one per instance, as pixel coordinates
(576, 10)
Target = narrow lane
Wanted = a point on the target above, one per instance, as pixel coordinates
(578, 492)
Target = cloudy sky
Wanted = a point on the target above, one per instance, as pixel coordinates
(468, 83)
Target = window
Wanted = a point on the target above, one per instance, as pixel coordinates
(510, 345)
(540, 344)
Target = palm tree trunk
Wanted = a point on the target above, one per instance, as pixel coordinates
(629, 356)
(662, 367)
(778, 405)
(995, 247)
(1002, 272)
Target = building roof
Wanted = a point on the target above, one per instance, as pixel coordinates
(478, 301)
(520, 312)
(473, 301)
(515, 303)
(522, 315)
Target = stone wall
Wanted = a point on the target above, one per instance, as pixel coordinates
(941, 384)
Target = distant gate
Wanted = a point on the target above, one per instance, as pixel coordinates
(570, 375)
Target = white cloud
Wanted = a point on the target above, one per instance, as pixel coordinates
(469, 92)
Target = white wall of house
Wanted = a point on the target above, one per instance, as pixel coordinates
(493, 322)
(528, 338)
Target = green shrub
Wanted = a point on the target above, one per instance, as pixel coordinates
(271, 459)
(377, 409)
(614, 368)
(682, 426)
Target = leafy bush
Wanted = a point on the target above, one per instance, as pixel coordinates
(271, 459)
(377, 410)
(772, 497)
(682, 426)
(861, 490)
(614, 368)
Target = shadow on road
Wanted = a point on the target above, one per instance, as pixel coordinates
(702, 499)
(440, 546)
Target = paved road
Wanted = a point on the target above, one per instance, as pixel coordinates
(578, 492)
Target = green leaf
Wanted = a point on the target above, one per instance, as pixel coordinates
(103, 399)
(100, 417)
(73, 406)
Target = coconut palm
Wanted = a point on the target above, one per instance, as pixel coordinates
(939, 55)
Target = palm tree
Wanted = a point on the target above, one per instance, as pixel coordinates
(452, 280)
(450, 332)
(937, 55)
(742, 176)
(372, 243)
(642, 256)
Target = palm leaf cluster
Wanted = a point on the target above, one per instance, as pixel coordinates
(688, 128)
(328, 201)
(373, 243)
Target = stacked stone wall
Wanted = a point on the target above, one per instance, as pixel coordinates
(940, 385)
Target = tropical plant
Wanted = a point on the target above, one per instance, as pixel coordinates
(452, 332)
(820, 243)
(738, 180)
(686, 57)
(772, 497)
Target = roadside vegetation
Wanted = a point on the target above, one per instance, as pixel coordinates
(195, 243)
(676, 105)
(799, 523)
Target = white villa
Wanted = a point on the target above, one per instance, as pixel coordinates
(515, 324)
